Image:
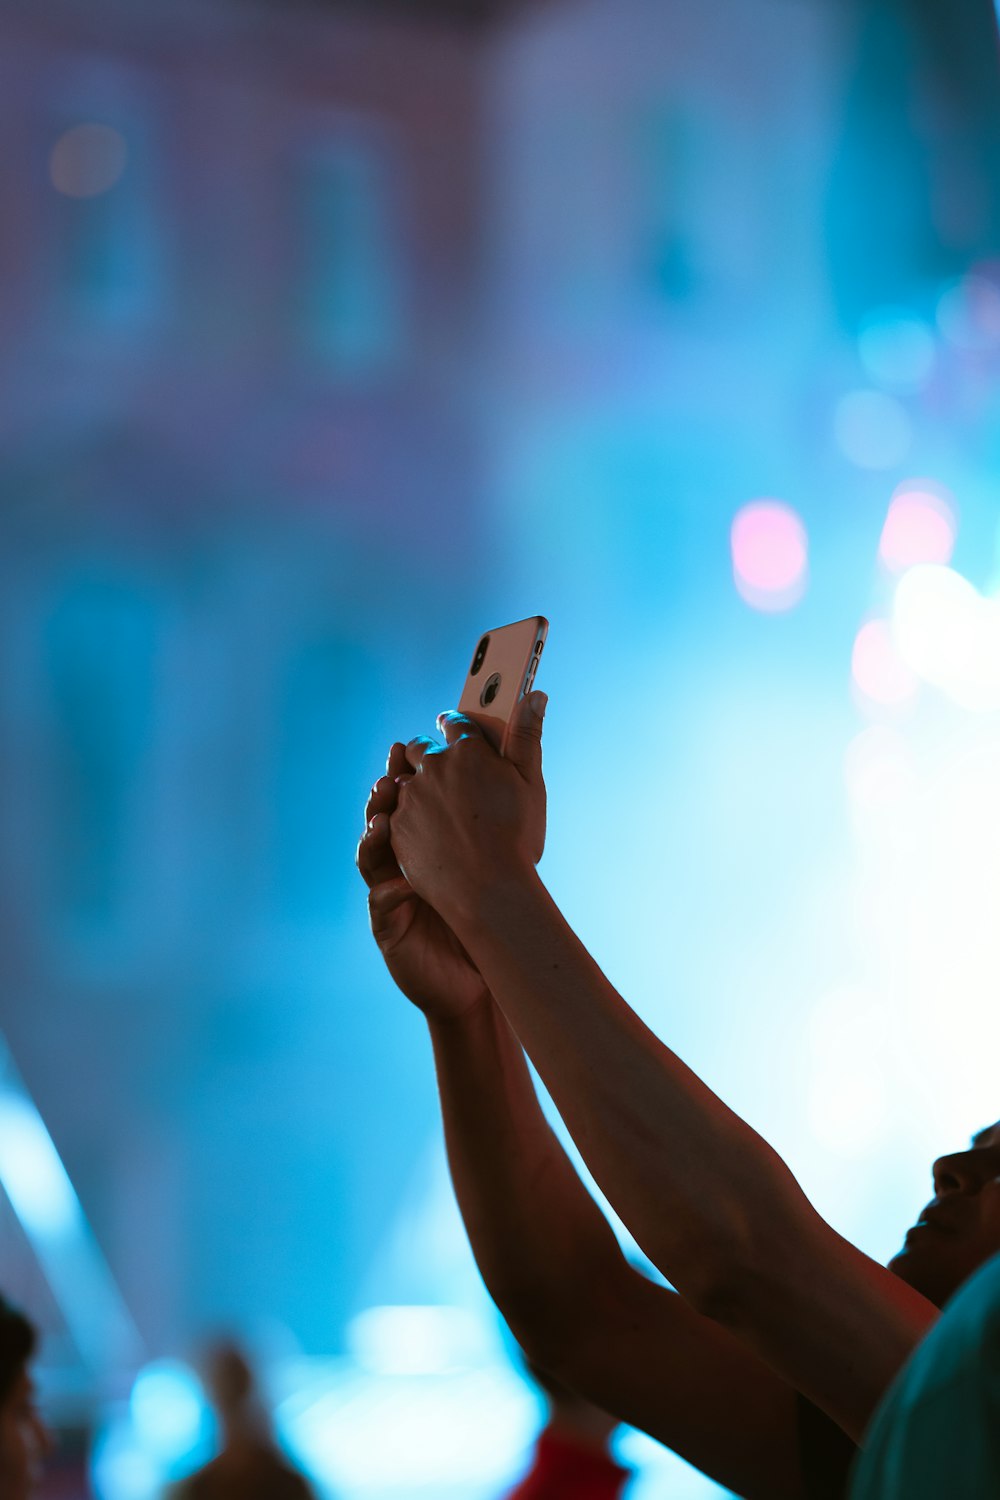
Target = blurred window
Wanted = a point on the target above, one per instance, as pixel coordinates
(347, 293)
(107, 227)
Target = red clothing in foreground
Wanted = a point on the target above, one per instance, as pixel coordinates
(562, 1469)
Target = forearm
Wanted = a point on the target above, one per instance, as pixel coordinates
(538, 1237)
(686, 1174)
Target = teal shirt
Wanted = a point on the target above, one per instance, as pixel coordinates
(936, 1434)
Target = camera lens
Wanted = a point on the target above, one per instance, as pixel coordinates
(480, 656)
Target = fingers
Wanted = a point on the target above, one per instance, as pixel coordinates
(524, 743)
(375, 860)
(456, 726)
(417, 751)
(388, 894)
(382, 798)
(396, 763)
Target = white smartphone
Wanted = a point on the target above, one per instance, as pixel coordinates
(503, 669)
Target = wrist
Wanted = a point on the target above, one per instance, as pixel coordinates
(492, 901)
(455, 1023)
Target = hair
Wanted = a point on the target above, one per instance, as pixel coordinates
(17, 1344)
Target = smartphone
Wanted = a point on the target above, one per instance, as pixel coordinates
(503, 669)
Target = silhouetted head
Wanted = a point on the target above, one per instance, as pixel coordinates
(229, 1378)
(960, 1228)
(24, 1439)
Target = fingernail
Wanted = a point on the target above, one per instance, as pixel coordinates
(538, 703)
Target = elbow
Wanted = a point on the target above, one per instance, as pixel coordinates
(717, 1280)
(717, 1293)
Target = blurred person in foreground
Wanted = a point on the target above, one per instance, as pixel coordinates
(249, 1465)
(24, 1438)
(763, 1367)
(937, 1432)
(571, 1458)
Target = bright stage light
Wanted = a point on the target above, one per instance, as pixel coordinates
(848, 1101)
(878, 770)
(878, 670)
(87, 160)
(920, 526)
(416, 1340)
(770, 555)
(874, 431)
(32, 1174)
(949, 635)
(43, 1198)
(413, 1435)
(897, 349)
(936, 876)
(848, 1109)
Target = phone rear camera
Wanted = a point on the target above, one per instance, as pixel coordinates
(490, 690)
(480, 656)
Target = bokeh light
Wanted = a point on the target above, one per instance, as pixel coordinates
(122, 1469)
(878, 670)
(87, 160)
(968, 313)
(897, 350)
(873, 429)
(920, 526)
(168, 1411)
(770, 555)
(949, 634)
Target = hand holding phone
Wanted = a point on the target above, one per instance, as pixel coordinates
(503, 670)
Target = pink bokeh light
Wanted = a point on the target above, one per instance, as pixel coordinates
(877, 667)
(920, 527)
(770, 555)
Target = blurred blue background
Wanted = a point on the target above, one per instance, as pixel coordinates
(331, 336)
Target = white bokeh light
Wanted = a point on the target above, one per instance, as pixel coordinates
(949, 634)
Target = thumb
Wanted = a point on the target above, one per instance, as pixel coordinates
(524, 744)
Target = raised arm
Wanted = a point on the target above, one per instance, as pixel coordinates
(545, 1250)
(709, 1201)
